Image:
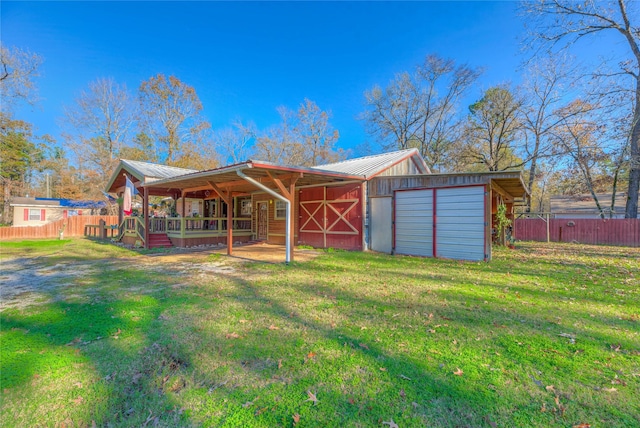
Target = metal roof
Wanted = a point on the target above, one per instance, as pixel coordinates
(56, 203)
(144, 172)
(156, 171)
(372, 165)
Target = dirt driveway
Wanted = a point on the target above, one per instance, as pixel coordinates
(28, 281)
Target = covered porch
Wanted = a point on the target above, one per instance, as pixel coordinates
(219, 206)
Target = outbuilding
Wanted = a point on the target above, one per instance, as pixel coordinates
(339, 205)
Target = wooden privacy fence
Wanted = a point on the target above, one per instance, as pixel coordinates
(72, 226)
(624, 232)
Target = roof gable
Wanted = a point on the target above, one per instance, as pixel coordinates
(145, 172)
(373, 165)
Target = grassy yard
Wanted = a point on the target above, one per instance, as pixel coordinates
(544, 335)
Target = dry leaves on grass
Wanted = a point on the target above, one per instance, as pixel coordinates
(273, 327)
(250, 403)
(296, 419)
(458, 372)
(233, 335)
(312, 398)
(391, 424)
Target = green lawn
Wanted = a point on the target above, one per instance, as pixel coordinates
(544, 335)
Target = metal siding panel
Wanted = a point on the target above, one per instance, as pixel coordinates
(460, 225)
(414, 223)
(381, 227)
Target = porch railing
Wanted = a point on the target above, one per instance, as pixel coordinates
(184, 226)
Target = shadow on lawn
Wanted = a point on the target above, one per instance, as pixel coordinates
(111, 333)
(146, 360)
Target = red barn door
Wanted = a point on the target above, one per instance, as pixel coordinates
(331, 217)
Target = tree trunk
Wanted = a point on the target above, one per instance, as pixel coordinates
(7, 213)
(634, 173)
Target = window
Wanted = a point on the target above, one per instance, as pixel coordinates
(280, 210)
(245, 207)
(34, 215)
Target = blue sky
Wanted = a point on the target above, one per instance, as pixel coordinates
(245, 59)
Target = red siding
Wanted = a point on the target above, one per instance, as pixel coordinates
(625, 232)
(331, 216)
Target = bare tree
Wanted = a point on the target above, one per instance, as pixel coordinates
(560, 23)
(493, 129)
(316, 134)
(98, 124)
(421, 109)
(170, 112)
(234, 143)
(582, 138)
(18, 68)
(303, 138)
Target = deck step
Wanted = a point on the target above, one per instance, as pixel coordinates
(159, 240)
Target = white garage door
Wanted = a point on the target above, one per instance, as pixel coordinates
(414, 222)
(460, 223)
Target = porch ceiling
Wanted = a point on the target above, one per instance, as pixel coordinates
(226, 178)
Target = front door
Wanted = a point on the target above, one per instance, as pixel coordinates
(263, 220)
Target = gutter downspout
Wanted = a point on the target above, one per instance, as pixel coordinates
(281, 198)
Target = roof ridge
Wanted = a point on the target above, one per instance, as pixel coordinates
(367, 157)
(157, 164)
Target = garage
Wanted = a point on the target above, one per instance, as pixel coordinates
(446, 222)
(440, 215)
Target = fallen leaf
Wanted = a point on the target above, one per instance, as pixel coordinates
(78, 400)
(243, 321)
(615, 348)
(404, 377)
(78, 384)
(311, 355)
(363, 346)
(273, 327)
(490, 422)
(280, 363)
(402, 393)
(351, 400)
(609, 389)
(296, 419)
(382, 369)
(249, 403)
(550, 388)
(312, 397)
(543, 408)
(582, 426)
(390, 423)
(458, 372)
(571, 337)
(414, 404)
(233, 335)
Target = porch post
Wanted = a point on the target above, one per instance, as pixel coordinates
(145, 211)
(182, 195)
(229, 223)
(291, 213)
(120, 209)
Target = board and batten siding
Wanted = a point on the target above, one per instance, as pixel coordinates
(414, 222)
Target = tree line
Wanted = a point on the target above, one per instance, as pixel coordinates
(571, 129)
